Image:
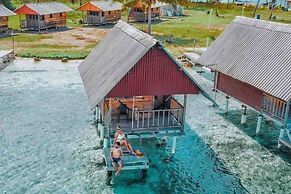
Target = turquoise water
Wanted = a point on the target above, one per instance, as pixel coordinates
(48, 145)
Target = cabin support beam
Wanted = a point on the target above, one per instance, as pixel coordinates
(281, 135)
(244, 115)
(132, 114)
(184, 111)
(259, 123)
(38, 20)
(101, 132)
(215, 86)
(173, 151)
(96, 114)
(226, 104)
(284, 128)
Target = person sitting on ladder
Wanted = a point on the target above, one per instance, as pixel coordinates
(119, 137)
(116, 153)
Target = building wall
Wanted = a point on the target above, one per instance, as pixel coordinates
(155, 74)
(139, 14)
(3, 22)
(98, 17)
(32, 21)
(243, 92)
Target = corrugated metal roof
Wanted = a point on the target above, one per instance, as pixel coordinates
(48, 8)
(107, 5)
(5, 11)
(255, 52)
(113, 58)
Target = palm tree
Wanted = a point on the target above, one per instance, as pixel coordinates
(147, 4)
(271, 7)
(255, 10)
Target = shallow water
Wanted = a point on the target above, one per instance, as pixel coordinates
(48, 145)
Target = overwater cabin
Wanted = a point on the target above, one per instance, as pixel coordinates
(101, 12)
(42, 16)
(252, 63)
(131, 81)
(5, 13)
(138, 12)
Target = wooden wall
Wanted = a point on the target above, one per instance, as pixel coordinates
(241, 91)
(3, 22)
(56, 17)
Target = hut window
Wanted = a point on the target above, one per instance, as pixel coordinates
(51, 15)
(152, 9)
(109, 12)
(42, 17)
(102, 14)
(61, 14)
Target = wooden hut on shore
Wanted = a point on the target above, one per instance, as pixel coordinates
(138, 12)
(39, 16)
(252, 63)
(130, 80)
(101, 12)
(4, 14)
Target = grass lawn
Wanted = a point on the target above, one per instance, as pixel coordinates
(189, 31)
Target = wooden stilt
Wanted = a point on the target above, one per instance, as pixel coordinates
(244, 115)
(184, 111)
(226, 104)
(173, 151)
(215, 86)
(282, 132)
(259, 124)
(133, 113)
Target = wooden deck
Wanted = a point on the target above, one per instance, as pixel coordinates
(129, 162)
(150, 129)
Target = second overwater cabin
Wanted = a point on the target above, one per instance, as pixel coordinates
(101, 12)
(42, 16)
(4, 14)
(131, 81)
(252, 63)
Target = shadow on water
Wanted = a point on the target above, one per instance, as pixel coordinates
(268, 136)
(193, 169)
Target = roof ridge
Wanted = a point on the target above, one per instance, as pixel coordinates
(263, 24)
(120, 22)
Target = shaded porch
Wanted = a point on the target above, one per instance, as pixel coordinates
(144, 115)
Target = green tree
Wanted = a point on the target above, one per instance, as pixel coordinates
(147, 4)
(7, 3)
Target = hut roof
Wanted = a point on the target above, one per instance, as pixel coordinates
(5, 11)
(155, 5)
(107, 5)
(43, 8)
(255, 52)
(113, 58)
(100, 5)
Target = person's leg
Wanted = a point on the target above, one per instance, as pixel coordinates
(119, 168)
(114, 166)
(129, 147)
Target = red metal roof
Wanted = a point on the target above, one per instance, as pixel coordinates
(25, 10)
(155, 74)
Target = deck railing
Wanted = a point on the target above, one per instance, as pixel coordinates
(274, 106)
(147, 119)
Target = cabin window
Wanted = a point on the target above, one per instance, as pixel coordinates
(51, 15)
(61, 14)
(42, 17)
(33, 17)
(102, 14)
(109, 12)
